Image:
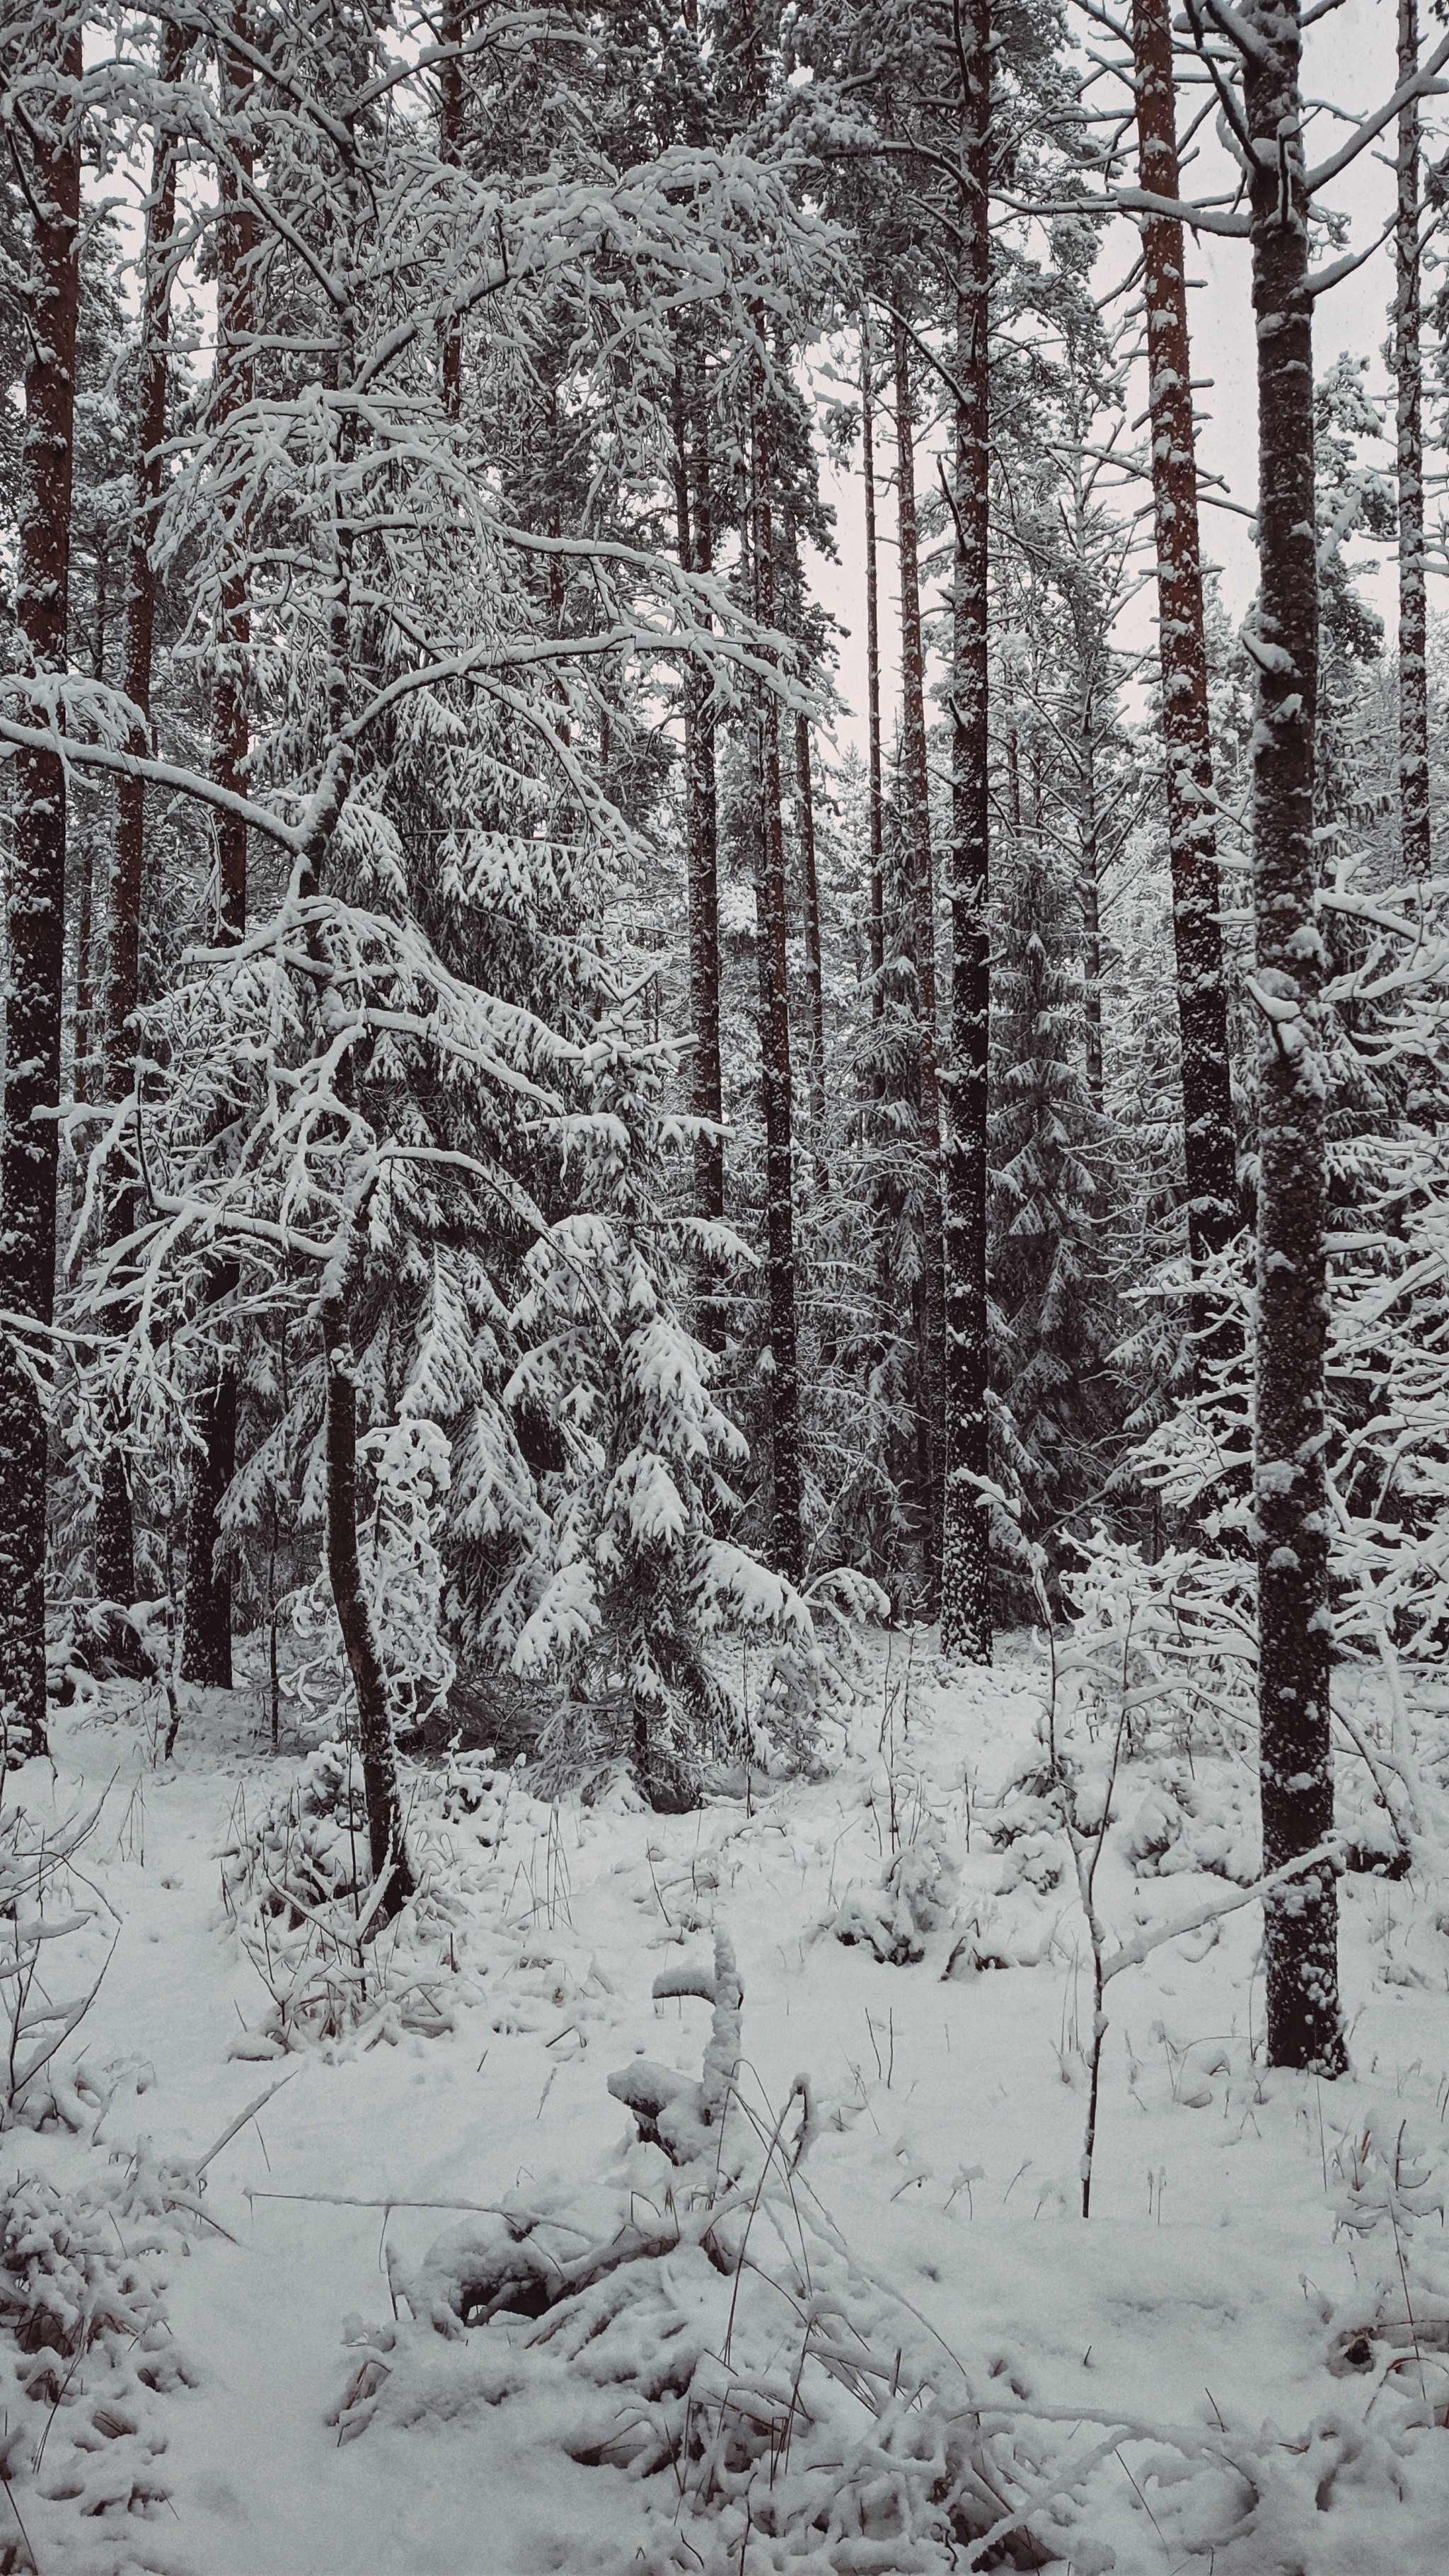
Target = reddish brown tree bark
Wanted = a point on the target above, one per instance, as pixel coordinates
(36, 893)
(1210, 1152)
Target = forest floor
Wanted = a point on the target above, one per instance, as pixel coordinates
(1210, 2286)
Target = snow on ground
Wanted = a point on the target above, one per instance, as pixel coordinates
(1208, 2288)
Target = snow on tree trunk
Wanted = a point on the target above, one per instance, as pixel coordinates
(965, 1555)
(206, 1647)
(1409, 424)
(115, 1539)
(695, 526)
(872, 678)
(784, 1374)
(810, 904)
(1089, 864)
(206, 1616)
(930, 1395)
(386, 1843)
(36, 892)
(450, 141)
(1289, 1496)
(231, 392)
(1209, 1149)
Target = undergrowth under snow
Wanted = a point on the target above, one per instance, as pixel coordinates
(704, 2191)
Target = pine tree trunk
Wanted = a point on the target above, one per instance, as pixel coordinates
(206, 1644)
(386, 1841)
(1090, 897)
(810, 905)
(115, 1534)
(36, 898)
(931, 1406)
(206, 1616)
(87, 936)
(1409, 409)
(784, 1378)
(450, 138)
(1210, 1152)
(966, 1553)
(1296, 1763)
(696, 554)
(231, 392)
(84, 989)
(872, 679)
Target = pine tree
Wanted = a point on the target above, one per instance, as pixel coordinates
(1296, 1766)
(1209, 1141)
(45, 54)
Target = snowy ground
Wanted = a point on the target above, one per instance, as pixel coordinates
(1207, 2290)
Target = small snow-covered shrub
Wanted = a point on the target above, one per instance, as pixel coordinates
(296, 1881)
(1390, 2201)
(86, 2351)
(42, 1905)
(1184, 1824)
(915, 1897)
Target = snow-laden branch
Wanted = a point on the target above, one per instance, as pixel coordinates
(1132, 1953)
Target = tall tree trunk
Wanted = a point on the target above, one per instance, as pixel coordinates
(784, 1382)
(386, 1838)
(1289, 1495)
(36, 894)
(966, 1552)
(1409, 409)
(206, 1644)
(115, 1534)
(810, 904)
(86, 938)
(450, 137)
(695, 531)
(386, 1841)
(84, 988)
(931, 1407)
(231, 392)
(872, 678)
(1210, 1153)
(1090, 897)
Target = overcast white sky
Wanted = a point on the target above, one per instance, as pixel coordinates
(1350, 62)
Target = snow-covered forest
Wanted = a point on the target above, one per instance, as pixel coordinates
(724, 1288)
